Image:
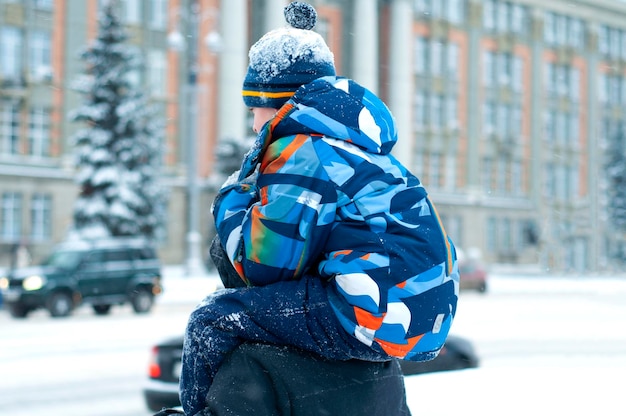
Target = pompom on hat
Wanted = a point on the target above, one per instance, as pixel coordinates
(285, 59)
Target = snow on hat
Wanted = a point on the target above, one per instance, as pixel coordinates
(285, 59)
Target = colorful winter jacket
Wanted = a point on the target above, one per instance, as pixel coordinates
(331, 201)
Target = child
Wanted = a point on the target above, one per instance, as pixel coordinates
(340, 248)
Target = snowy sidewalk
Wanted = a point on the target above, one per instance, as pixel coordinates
(180, 288)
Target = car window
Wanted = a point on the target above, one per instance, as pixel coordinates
(64, 259)
(118, 255)
(94, 260)
(145, 253)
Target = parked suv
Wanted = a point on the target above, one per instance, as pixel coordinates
(101, 273)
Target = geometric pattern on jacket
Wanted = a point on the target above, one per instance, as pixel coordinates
(330, 201)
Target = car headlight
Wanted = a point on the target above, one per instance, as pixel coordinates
(33, 283)
(4, 283)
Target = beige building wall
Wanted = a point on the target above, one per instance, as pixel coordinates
(521, 221)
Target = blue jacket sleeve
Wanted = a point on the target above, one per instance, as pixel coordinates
(282, 234)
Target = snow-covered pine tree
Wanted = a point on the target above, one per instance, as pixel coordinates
(118, 153)
(616, 176)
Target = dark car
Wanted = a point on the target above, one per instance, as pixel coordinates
(473, 271)
(101, 273)
(457, 354)
(161, 389)
(473, 275)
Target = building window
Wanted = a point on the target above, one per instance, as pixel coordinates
(454, 228)
(131, 11)
(503, 121)
(157, 73)
(612, 42)
(504, 17)
(450, 10)
(452, 114)
(418, 164)
(158, 14)
(434, 170)
(489, 15)
(47, 5)
(419, 114)
(452, 61)
(603, 40)
(39, 132)
(615, 43)
(11, 216)
(516, 178)
(508, 120)
(9, 127)
(492, 240)
(436, 112)
(576, 31)
(456, 11)
(489, 68)
(502, 166)
(39, 55)
(561, 30)
(450, 175)
(549, 181)
(574, 85)
(41, 217)
(421, 55)
(549, 28)
(489, 118)
(506, 69)
(486, 175)
(11, 52)
(506, 236)
(519, 18)
(436, 57)
(574, 129)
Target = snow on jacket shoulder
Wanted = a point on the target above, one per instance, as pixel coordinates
(331, 201)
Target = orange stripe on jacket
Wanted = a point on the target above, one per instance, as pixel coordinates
(287, 152)
(368, 320)
(399, 350)
(445, 239)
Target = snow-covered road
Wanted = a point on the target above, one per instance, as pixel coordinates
(548, 345)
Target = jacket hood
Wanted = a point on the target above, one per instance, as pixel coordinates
(340, 108)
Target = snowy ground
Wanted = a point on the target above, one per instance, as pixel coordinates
(560, 350)
(549, 345)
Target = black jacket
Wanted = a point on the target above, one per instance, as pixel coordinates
(266, 380)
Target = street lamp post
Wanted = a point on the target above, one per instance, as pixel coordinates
(193, 261)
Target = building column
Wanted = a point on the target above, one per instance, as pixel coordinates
(400, 79)
(274, 14)
(365, 43)
(536, 163)
(472, 171)
(233, 64)
(598, 231)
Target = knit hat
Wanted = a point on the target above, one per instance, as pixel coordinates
(285, 59)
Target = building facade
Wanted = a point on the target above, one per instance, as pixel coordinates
(504, 110)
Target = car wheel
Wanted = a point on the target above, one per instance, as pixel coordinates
(101, 309)
(142, 300)
(60, 305)
(18, 311)
(482, 288)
